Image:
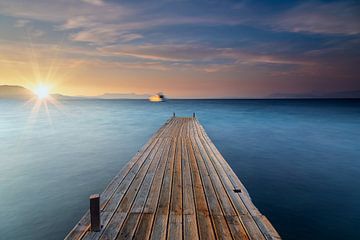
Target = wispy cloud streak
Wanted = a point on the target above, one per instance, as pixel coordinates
(324, 18)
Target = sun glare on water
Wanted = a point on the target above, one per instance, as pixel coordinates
(42, 92)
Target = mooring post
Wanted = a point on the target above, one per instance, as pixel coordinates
(173, 114)
(193, 115)
(95, 213)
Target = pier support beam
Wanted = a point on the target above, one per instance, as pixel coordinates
(95, 213)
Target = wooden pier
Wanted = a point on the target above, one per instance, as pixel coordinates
(178, 186)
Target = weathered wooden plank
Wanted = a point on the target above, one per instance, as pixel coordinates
(143, 230)
(220, 225)
(189, 212)
(205, 225)
(175, 217)
(159, 228)
(147, 198)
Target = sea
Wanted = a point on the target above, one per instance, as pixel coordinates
(298, 159)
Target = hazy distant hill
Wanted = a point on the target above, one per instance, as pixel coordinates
(18, 92)
(15, 92)
(348, 94)
(343, 94)
(123, 96)
(64, 97)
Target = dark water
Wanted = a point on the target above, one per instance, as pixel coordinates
(300, 160)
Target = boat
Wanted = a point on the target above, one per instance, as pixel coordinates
(160, 97)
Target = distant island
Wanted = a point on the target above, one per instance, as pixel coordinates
(19, 92)
(123, 96)
(312, 95)
(15, 92)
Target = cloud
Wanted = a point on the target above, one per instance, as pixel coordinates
(324, 18)
(200, 57)
(97, 22)
(36, 32)
(61, 10)
(101, 36)
(77, 22)
(164, 52)
(158, 66)
(130, 37)
(94, 30)
(32, 31)
(95, 2)
(21, 23)
(105, 27)
(113, 28)
(161, 57)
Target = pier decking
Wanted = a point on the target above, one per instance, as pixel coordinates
(178, 186)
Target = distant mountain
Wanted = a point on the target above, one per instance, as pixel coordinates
(123, 96)
(18, 92)
(342, 94)
(106, 96)
(346, 94)
(65, 97)
(15, 92)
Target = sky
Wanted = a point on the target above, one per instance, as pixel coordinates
(190, 49)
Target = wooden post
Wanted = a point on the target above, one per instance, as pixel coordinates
(193, 115)
(173, 114)
(95, 213)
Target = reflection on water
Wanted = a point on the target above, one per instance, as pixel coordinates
(298, 159)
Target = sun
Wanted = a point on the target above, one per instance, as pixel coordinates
(42, 92)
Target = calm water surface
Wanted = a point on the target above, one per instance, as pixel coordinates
(300, 160)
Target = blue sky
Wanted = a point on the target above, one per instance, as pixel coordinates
(184, 48)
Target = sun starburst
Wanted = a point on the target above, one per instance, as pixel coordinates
(41, 92)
